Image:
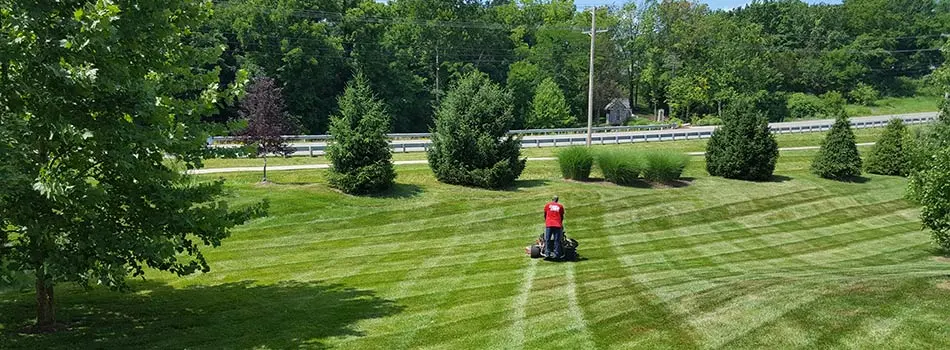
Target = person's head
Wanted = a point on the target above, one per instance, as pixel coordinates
(555, 199)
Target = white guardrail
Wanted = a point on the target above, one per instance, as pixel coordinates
(425, 135)
(604, 139)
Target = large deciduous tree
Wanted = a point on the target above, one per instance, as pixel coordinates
(360, 148)
(267, 120)
(94, 95)
(931, 188)
(930, 176)
(470, 144)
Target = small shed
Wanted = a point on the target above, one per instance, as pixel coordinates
(618, 111)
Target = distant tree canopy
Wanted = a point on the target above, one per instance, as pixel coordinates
(673, 54)
(549, 109)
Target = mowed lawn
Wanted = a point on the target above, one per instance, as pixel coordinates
(797, 262)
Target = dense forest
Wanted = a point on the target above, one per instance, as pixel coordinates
(676, 55)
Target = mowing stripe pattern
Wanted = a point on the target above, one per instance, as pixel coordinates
(799, 262)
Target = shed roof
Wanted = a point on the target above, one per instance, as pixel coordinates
(618, 103)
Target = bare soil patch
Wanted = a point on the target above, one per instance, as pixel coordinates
(945, 285)
(942, 259)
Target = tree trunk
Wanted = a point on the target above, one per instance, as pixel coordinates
(45, 314)
(265, 163)
(636, 95)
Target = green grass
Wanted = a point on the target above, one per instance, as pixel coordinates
(896, 105)
(784, 140)
(797, 262)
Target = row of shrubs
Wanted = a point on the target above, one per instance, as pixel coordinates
(622, 167)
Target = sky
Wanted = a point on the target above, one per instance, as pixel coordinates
(714, 4)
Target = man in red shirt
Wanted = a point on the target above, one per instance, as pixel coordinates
(553, 228)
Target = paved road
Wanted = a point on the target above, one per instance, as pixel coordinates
(534, 141)
(416, 162)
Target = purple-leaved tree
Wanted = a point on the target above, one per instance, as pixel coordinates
(267, 120)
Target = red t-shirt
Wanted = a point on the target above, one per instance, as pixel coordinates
(553, 214)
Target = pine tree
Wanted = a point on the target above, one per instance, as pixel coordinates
(888, 157)
(549, 109)
(744, 147)
(838, 157)
(359, 151)
(470, 143)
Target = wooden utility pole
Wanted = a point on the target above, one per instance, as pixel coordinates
(590, 86)
(438, 92)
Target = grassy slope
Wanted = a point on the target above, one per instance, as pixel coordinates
(785, 140)
(800, 262)
(896, 105)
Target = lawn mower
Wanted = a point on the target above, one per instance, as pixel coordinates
(568, 248)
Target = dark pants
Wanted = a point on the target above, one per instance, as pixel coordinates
(552, 241)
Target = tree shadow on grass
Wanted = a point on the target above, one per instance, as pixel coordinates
(641, 183)
(779, 178)
(678, 183)
(940, 254)
(563, 261)
(525, 184)
(400, 191)
(856, 179)
(230, 316)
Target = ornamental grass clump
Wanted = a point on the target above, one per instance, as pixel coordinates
(664, 166)
(621, 168)
(576, 163)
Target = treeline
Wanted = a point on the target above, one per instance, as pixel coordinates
(676, 55)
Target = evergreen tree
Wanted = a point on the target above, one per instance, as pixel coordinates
(549, 109)
(360, 150)
(838, 157)
(470, 144)
(743, 148)
(888, 157)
